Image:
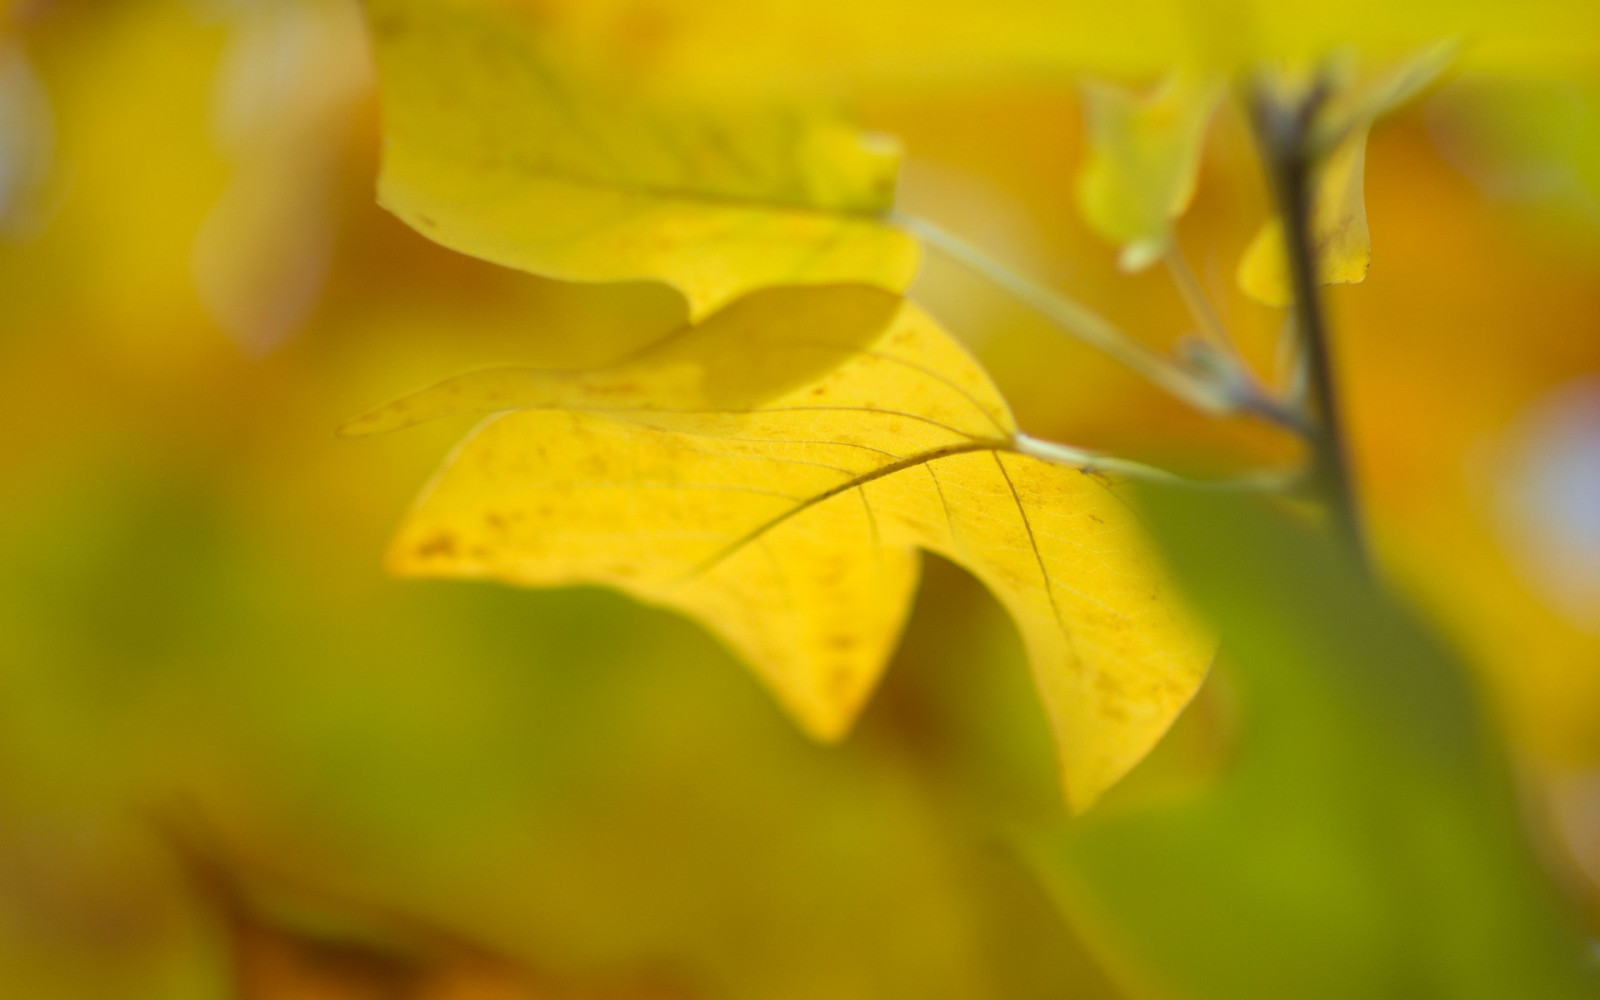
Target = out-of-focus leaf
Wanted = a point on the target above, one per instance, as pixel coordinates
(512, 138)
(1365, 842)
(1144, 156)
(1353, 106)
(1532, 142)
(1342, 243)
(790, 526)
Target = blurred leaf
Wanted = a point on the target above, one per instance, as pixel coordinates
(1352, 107)
(790, 527)
(1366, 841)
(1532, 142)
(1341, 241)
(1144, 156)
(1343, 244)
(561, 155)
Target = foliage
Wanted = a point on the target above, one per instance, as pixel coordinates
(1144, 159)
(773, 472)
(507, 142)
(477, 791)
(777, 532)
(497, 127)
(1363, 841)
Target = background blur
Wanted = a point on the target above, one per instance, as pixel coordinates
(226, 735)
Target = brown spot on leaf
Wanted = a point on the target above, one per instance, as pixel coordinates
(441, 546)
(1113, 696)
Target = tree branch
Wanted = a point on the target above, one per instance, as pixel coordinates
(1285, 133)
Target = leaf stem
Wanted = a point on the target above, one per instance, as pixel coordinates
(1199, 303)
(1078, 319)
(1285, 133)
(1092, 462)
(1236, 391)
(1222, 359)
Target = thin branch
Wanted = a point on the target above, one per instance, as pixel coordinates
(1284, 132)
(1081, 321)
(1199, 303)
(1223, 360)
(1237, 392)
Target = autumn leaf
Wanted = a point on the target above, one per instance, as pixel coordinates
(513, 139)
(1144, 156)
(1341, 241)
(787, 518)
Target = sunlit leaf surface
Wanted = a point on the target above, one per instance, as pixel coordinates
(510, 140)
(790, 527)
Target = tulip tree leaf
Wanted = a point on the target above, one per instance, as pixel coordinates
(1144, 157)
(510, 136)
(775, 481)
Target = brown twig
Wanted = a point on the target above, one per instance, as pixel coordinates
(1285, 131)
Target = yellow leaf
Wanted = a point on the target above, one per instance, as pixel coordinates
(736, 359)
(531, 139)
(1341, 241)
(1144, 156)
(790, 527)
(1352, 108)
